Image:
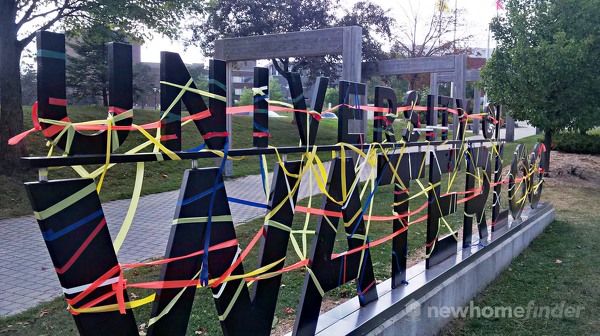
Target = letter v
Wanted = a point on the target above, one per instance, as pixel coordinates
(327, 273)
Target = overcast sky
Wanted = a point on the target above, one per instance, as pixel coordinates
(478, 14)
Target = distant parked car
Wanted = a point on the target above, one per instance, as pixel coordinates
(328, 115)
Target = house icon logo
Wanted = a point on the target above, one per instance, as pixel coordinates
(413, 310)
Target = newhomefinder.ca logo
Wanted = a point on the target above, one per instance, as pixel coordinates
(529, 311)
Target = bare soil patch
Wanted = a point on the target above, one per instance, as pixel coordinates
(574, 170)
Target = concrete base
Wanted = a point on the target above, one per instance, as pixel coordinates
(404, 310)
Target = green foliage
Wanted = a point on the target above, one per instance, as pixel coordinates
(332, 96)
(275, 92)
(29, 85)
(138, 18)
(20, 19)
(144, 83)
(246, 98)
(546, 67)
(578, 143)
(237, 18)
(399, 85)
(377, 25)
(87, 69)
(200, 75)
(594, 131)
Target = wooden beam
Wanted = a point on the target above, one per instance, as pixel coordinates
(445, 77)
(416, 65)
(352, 54)
(472, 75)
(296, 44)
(434, 83)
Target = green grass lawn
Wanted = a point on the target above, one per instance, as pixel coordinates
(52, 318)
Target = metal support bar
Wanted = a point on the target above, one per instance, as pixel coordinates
(58, 161)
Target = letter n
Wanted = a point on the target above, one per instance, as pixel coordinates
(211, 122)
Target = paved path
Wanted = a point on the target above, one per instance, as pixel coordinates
(26, 273)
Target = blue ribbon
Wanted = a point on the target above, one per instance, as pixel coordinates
(260, 128)
(204, 270)
(50, 235)
(196, 149)
(248, 203)
(200, 195)
(369, 198)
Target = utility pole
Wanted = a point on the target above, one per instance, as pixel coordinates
(455, 23)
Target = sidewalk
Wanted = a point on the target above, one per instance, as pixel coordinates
(27, 277)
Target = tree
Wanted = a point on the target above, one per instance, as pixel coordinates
(200, 75)
(377, 25)
(87, 69)
(275, 90)
(236, 18)
(437, 35)
(144, 81)
(546, 68)
(399, 85)
(332, 97)
(246, 98)
(19, 19)
(29, 85)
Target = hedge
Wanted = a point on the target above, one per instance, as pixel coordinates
(577, 143)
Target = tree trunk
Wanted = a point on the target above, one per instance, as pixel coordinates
(548, 145)
(104, 96)
(11, 111)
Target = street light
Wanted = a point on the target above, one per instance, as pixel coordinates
(155, 92)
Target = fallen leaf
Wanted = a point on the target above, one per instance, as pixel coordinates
(558, 261)
(43, 313)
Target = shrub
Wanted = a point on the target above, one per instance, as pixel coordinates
(577, 143)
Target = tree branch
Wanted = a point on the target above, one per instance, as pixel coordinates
(26, 16)
(59, 16)
(279, 69)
